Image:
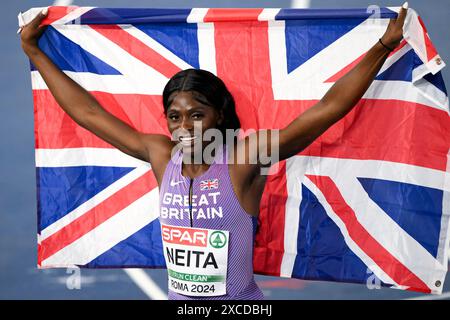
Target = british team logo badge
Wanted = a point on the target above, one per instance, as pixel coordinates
(209, 184)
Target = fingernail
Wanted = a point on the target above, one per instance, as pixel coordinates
(405, 5)
(20, 18)
(44, 11)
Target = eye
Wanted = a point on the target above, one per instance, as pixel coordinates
(197, 116)
(173, 117)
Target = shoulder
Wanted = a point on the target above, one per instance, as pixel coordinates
(159, 148)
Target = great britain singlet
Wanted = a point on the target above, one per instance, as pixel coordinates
(207, 236)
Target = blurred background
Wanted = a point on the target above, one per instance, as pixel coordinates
(19, 276)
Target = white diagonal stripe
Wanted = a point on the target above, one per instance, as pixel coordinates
(315, 71)
(389, 234)
(394, 58)
(93, 202)
(268, 14)
(140, 76)
(156, 46)
(375, 169)
(72, 15)
(307, 81)
(348, 240)
(105, 236)
(197, 15)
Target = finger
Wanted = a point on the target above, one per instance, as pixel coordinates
(402, 14)
(391, 22)
(40, 31)
(38, 19)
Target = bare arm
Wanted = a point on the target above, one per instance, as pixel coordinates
(302, 131)
(337, 102)
(342, 96)
(85, 110)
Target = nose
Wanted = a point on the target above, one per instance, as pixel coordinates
(187, 124)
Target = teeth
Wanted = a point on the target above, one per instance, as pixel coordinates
(187, 140)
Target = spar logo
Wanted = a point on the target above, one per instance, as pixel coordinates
(185, 236)
(217, 239)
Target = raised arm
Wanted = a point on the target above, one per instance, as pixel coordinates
(248, 177)
(342, 96)
(85, 110)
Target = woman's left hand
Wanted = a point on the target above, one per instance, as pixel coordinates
(394, 32)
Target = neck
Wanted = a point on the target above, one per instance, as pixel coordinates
(196, 164)
(205, 156)
(194, 170)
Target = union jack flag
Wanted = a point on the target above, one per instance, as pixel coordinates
(369, 197)
(209, 184)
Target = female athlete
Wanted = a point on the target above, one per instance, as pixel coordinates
(208, 209)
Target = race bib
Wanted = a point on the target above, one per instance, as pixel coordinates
(196, 260)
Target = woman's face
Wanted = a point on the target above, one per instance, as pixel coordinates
(188, 118)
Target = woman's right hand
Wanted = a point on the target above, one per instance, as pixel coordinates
(31, 32)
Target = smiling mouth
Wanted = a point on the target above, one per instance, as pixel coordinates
(187, 141)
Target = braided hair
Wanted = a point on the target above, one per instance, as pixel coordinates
(212, 90)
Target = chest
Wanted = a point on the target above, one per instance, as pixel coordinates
(202, 202)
